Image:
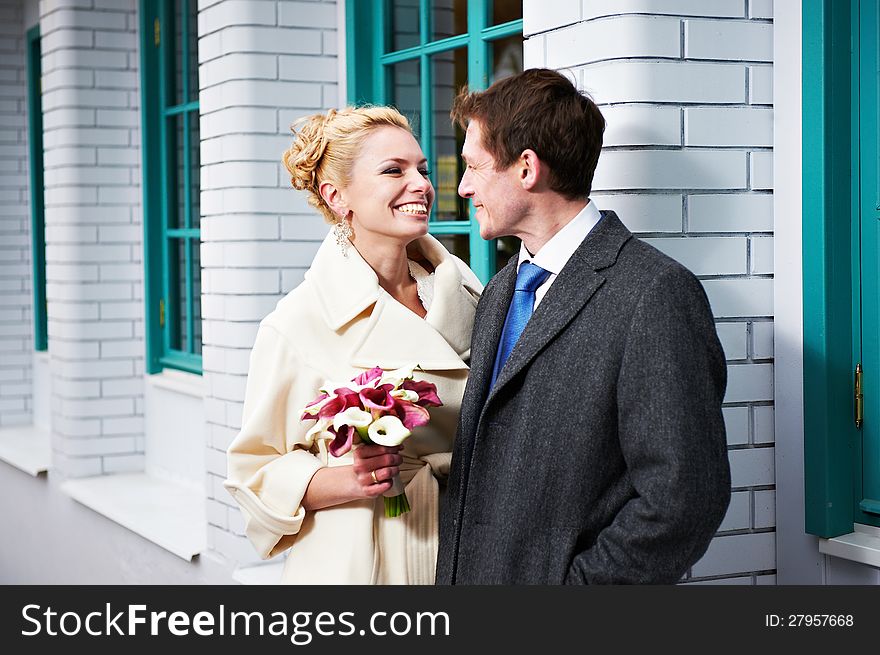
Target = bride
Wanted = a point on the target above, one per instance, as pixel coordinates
(380, 292)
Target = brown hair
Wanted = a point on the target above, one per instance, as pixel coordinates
(326, 145)
(538, 109)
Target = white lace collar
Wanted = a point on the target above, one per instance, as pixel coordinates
(424, 283)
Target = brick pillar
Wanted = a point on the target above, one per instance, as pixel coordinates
(262, 65)
(16, 319)
(94, 240)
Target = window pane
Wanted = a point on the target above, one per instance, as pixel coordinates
(406, 94)
(449, 73)
(507, 57)
(177, 95)
(174, 202)
(458, 245)
(448, 17)
(194, 168)
(504, 11)
(505, 248)
(175, 314)
(404, 25)
(196, 272)
(190, 39)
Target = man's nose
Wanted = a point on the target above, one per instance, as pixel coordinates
(465, 190)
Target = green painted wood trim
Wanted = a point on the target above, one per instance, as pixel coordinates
(443, 45)
(182, 361)
(502, 31)
(449, 227)
(360, 51)
(827, 281)
(35, 170)
(151, 118)
(181, 109)
(870, 506)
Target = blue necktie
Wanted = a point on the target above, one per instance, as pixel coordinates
(528, 279)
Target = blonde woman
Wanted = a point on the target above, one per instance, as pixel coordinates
(380, 292)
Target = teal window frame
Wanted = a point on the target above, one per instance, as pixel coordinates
(832, 293)
(158, 105)
(35, 173)
(366, 23)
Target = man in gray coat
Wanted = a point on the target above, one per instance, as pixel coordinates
(591, 446)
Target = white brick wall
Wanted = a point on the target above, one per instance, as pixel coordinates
(686, 89)
(263, 64)
(93, 234)
(16, 319)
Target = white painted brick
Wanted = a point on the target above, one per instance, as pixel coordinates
(635, 125)
(735, 212)
(306, 228)
(115, 40)
(116, 349)
(271, 40)
(761, 8)
(266, 253)
(92, 370)
(670, 169)
(734, 40)
(118, 157)
(740, 297)
(761, 167)
(548, 15)
(245, 147)
(739, 553)
(705, 255)
(215, 461)
(761, 85)
(733, 337)
(228, 387)
(762, 340)
(68, 77)
(64, 39)
(762, 254)
(299, 14)
(738, 515)
(116, 79)
(261, 93)
(250, 307)
(97, 408)
(534, 52)
(69, 156)
(291, 278)
(304, 68)
(237, 549)
(76, 467)
(117, 310)
(237, 174)
(752, 467)
(614, 38)
(679, 82)
(235, 335)
(130, 425)
(765, 509)
(236, 12)
(715, 8)
(71, 234)
(764, 424)
(749, 382)
(122, 463)
(217, 514)
(239, 66)
(248, 200)
(96, 446)
(243, 281)
(239, 119)
(728, 126)
(76, 427)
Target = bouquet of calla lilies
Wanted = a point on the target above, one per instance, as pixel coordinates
(381, 407)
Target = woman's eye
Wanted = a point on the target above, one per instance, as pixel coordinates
(392, 171)
(425, 172)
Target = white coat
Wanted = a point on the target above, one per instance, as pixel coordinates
(336, 324)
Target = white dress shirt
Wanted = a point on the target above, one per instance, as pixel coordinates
(559, 249)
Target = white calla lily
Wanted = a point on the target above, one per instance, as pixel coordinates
(396, 377)
(353, 416)
(388, 431)
(405, 394)
(319, 430)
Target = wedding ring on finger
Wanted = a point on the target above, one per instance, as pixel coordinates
(373, 475)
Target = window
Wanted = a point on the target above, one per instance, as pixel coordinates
(841, 251)
(415, 55)
(169, 83)
(38, 219)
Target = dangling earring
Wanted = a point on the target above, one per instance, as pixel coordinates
(342, 231)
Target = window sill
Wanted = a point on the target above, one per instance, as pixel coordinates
(26, 448)
(169, 514)
(179, 381)
(259, 574)
(862, 545)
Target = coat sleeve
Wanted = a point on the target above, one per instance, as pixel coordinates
(671, 432)
(269, 463)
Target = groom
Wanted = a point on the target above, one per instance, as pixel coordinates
(591, 447)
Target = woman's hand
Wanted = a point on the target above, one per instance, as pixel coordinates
(335, 485)
(374, 466)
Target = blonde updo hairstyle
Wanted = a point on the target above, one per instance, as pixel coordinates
(326, 145)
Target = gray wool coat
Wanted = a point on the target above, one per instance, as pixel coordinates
(600, 455)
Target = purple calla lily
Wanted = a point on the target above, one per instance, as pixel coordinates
(427, 392)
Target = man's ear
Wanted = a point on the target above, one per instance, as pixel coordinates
(333, 197)
(532, 170)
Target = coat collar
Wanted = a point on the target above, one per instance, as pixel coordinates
(577, 282)
(347, 287)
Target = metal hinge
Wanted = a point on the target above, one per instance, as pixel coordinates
(859, 400)
(162, 312)
(157, 32)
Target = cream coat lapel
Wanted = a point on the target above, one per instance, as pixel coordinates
(394, 336)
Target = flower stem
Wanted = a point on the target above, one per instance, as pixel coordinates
(396, 505)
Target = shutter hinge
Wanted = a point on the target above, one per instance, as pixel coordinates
(859, 400)
(162, 312)
(157, 32)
